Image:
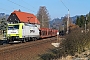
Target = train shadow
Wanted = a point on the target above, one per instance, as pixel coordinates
(2, 42)
(14, 42)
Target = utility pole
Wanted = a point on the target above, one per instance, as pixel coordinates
(85, 24)
(68, 23)
(67, 19)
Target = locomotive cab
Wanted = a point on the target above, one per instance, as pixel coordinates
(12, 32)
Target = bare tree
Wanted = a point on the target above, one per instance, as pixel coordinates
(43, 16)
(65, 22)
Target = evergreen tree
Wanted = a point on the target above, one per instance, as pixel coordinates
(77, 21)
(80, 21)
(88, 17)
(3, 24)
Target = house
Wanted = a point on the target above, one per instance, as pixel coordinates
(23, 17)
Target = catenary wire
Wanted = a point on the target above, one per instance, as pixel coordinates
(64, 4)
(20, 5)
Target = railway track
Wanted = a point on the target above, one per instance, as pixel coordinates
(8, 48)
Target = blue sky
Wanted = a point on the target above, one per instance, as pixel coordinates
(54, 7)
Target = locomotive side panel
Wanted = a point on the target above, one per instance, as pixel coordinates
(30, 31)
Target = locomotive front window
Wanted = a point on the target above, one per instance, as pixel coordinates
(13, 27)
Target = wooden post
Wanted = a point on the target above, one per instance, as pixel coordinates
(57, 36)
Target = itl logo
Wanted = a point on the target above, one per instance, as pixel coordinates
(32, 31)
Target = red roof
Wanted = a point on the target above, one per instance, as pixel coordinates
(26, 17)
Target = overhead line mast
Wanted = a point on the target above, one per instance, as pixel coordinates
(68, 18)
(68, 23)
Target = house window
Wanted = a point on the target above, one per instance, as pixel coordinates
(13, 14)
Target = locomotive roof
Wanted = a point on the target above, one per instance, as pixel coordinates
(26, 17)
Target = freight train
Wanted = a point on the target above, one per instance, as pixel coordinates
(26, 32)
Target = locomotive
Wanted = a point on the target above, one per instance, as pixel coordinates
(27, 32)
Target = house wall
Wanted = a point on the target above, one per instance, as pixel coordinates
(13, 19)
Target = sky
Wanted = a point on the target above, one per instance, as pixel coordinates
(55, 7)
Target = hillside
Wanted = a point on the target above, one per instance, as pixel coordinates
(4, 15)
(57, 22)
